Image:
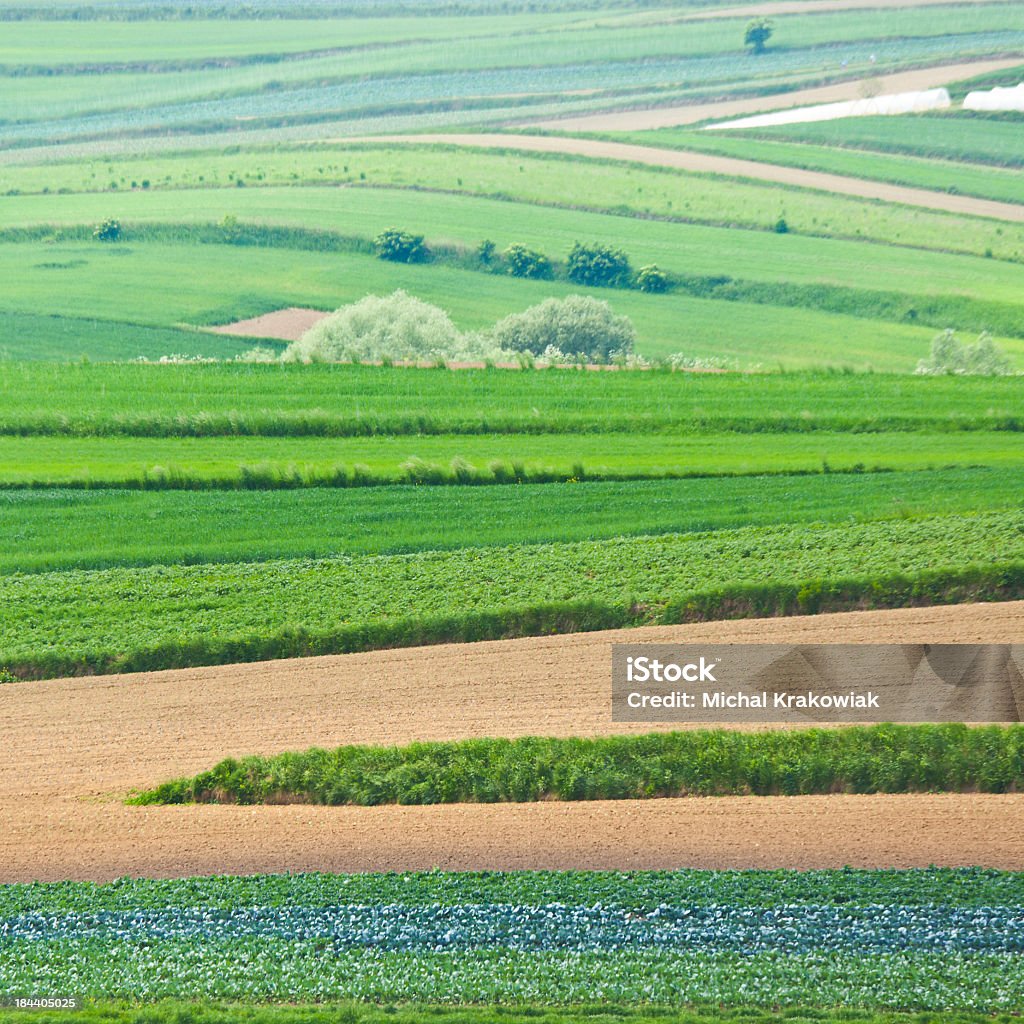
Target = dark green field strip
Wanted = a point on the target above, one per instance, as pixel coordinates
(31, 336)
(210, 400)
(174, 1011)
(723, 762)
(51, 530)
(276, 463)
(965, 137)
(165, 616)
(636, 890)
(940, 175)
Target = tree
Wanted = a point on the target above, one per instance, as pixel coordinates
(598, 266)
(108, 231)
(400, 246)
(524, 262)
(948, 356)
(575, 325)
(759, 31)
(652, 279)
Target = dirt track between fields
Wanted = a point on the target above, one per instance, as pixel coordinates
(718, 110)
(704, 163)
(73, 747)
(811, 7)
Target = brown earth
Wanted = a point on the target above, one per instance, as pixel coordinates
(285, 324)
(73, 747)
(704, 163)
(812, 7)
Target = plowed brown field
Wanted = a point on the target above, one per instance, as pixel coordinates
(72, 748)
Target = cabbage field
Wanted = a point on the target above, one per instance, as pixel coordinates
(899, 941)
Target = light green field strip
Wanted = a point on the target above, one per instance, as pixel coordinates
(944, 175)
(164, 285)
(160, 461)
(62, 529)
(520, 39)
(958, 137)
(528, 179)
(86, 399)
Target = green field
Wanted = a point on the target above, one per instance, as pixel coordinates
(129, 619)
(61, 529)
(344, 401)
(953, 172)
(273, 462)
(962, 138)
(555, 947)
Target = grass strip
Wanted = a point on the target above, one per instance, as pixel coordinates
(719, 762)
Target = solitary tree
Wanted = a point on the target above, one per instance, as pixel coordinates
(759, 31)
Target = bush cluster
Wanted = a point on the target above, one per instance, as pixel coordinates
(401, 328)
(949, 356)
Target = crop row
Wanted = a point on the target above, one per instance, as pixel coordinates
(637, 891)
(802, 929)
(44, 530)
(340, 401)
(890, 759)
(166, 616)
(263, 969)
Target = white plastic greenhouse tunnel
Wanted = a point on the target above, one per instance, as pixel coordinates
(896, 103)
(996, 99)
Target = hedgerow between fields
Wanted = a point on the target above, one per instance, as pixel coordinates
(875, 759)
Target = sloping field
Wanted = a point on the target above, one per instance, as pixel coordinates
(74, 747)
(706, 163)
(665, 117)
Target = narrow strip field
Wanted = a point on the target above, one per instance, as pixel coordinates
(63, 774)
(706, 163)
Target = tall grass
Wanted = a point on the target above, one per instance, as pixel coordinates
(874, 759)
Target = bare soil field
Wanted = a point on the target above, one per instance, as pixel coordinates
(74, 747)
(704, 163)
(667, 117)
(284, 324)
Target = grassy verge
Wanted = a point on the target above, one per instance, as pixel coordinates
(129, 619)
(874, 759)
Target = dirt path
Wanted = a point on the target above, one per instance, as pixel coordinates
(72, 747)
(814, 7)
(665, 117)
(704, 163)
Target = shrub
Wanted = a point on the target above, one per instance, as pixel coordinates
(948, 356)
(652, 279)
(108, 231)
(485, 251)
(576, 324)
(7, 676)
(400, 246)
(378, 329)
(524, 262)
(781, 227)
(598, 266)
